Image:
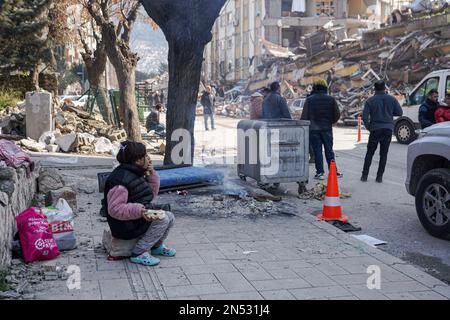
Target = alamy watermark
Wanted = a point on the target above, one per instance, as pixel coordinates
(254, 147)
(374, 280)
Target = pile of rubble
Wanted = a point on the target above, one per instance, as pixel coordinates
(75, 131)
(401, 54)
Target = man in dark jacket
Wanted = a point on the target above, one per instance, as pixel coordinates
(427, 109)
(207, 101)
(378, 117)
(152, 122)
(322, 111)
(274, 105)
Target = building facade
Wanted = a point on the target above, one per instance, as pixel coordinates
(236, 49)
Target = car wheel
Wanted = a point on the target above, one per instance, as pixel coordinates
(404, 132)
(433, 202)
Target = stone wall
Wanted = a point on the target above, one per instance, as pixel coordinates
(16, 192)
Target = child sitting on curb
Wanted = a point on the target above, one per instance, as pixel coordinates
(129, 194)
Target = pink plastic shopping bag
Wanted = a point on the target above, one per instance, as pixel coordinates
(36, 236)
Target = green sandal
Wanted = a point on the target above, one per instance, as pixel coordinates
(162, 250)
(146, 259)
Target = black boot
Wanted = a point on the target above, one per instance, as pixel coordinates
(379, 179)
(364, 178)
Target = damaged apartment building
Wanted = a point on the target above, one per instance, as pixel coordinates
(246, 27)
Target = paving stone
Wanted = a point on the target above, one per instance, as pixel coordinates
(401, 296)
(402, 286)
(351, 278)
(277, 295)
(252, 295)
(320, 293)
(315, 277)
(204, 278)
(171, 278)
(178, 262)
(443, 290)
(212, 256)
(252, 271)
(344, 298)
(363, 293)
(282, 274)
(209, 268)
(279, 284)
(428, 295)
(193, 290)
(327, 266)
(418, 275)
(103, 275)
(234, 282)
(118, 289)
(105, 265)
(287, 264)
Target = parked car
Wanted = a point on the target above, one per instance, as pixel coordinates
(428, 178)
(406, 125)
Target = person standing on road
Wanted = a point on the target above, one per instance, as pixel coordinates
(274, 105)
(378, 117)
(428, 108)
(207, 102)
(322, 111)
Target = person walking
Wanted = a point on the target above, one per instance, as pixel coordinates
(378, 117)
(322, 111)
(428, 108)
(274, 105)
(207, 101)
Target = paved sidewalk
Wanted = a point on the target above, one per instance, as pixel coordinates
(276, 257)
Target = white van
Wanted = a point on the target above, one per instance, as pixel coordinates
(406, 125)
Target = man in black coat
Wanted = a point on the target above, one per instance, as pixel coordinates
(378, 117)
(322, 111)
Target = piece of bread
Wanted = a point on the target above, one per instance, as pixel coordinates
(160, 214)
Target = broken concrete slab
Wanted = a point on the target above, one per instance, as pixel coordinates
(50, 179)
(38, 114)
(67, 142)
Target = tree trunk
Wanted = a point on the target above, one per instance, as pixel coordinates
(185, 65)
(35, 78)
(128, 104)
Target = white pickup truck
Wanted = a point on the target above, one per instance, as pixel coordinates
(406, 125)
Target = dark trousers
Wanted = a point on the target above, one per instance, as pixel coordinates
(382, 137)
(210, 116)
(318, 139)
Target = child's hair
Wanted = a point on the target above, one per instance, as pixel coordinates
(130, 152)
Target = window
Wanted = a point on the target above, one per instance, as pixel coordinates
(286, 5)
(230, 44)
(418, 96)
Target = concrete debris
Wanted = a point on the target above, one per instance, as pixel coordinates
(50, 179)
(318, 193)
(33, 145)
(401, 54)
(67, 142)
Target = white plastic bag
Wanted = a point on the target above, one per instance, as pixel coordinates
(61, 219)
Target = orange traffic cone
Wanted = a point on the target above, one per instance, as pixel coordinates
(332, 204)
